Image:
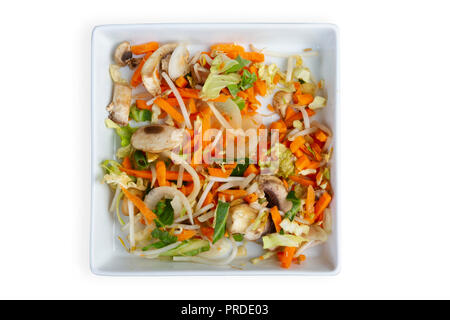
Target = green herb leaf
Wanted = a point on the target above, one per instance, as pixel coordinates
(296, 205)
(238, 67)
(164, 212)
(165, 239)
(247, 80)
(238, 237)
(140, 160)
(239, 170)
(234, 89)
(239, 102)
(220, 220)
(140, 115)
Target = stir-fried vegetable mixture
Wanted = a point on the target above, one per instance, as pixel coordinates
(198, 174)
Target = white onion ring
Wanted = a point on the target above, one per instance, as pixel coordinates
(212, 262)
(302, 133)
(154, 196)
(305, 117)
(157, 252)
(219, 116)
(204, 194)
(178, 160)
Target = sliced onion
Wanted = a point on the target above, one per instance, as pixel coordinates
(232, 110)
(178, 160)
(301, 133)
(195, 58)
(212, 145)
(305, 117)
(179, 99)
(131, 223)
(113, 202)
(184, 226)
(204, 194)
(322, 127)
(155, 195)
(219, 179)
(206, 216)
(253, 188)
(290, 68)
(229, 185)
(247, 180)
(180, 177)
(305, 246)
(218, 116)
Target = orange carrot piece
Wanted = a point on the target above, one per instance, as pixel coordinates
(320, 135)
(235, 192)
(146, 212)
(137, 78)
(187, 189)
(144, 48)
(207, 232)
(127, 163)
(228, 48)
(310, 200)
(278, 125)
(189, 93)
(186, 234)
(302, 180)
(251, 169)
(260, 88)
(192, 106)
(298, 116)
(290, 112)
(142, 104)
(295, 145)
(276, 78)
(252, 197)
(286, 256)
(163, 104)
(322, 203)
(302, 163)
(161, 173)
(218, 172)
(209, 199)
(270, 107)
(305, 99)
(276, 218)
(181, 82)
(253, 56)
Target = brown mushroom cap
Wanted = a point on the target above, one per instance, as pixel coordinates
(123, 54)
(157, 138)
(275, 192)
(280, 101)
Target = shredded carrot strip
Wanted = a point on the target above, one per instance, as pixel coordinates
(186, 234)
(163, 104)
(148, 214)
(142, 104)
(302, 180)
(161, 173)
(170, 175)
(144, 48)
(127, 163)
(276, 218)
(286, 256)
(137, 77)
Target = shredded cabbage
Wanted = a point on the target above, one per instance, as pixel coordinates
(293, 227)
(274, 240)
(267, 73)
(216, 82)
(318, 102)
(302, 73)
(222, 63)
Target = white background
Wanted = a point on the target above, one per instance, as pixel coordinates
(395, 62)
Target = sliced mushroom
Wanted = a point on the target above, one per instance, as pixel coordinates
(157, 138)
(123, 54)
(275, 192)
(199, 74)
(240, 217)
(150, 74)
(179, 62)
(135, 192)
(119, 108)
(280, 102)
(165, 63)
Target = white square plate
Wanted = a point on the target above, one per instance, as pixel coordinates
(107, 255)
